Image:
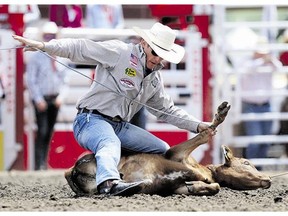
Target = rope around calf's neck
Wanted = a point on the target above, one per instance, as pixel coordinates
(280, 174)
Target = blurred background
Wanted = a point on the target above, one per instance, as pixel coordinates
(234, 53)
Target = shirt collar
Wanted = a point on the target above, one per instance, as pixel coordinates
(142, 58)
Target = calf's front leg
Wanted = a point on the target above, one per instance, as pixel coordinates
(198, 188)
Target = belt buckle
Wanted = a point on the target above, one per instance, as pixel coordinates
(80, 111)
(116, 119)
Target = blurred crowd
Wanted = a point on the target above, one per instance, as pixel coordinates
(96, 16)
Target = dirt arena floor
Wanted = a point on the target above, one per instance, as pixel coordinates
(47, 191)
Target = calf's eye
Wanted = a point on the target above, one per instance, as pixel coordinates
(246, 163)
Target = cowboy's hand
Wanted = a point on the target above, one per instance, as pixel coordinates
(204, 126)
(58, 102)
(30, 44)
(212, 132)
(41, 106)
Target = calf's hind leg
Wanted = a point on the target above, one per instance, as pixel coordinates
(220, 115)
(182, 151)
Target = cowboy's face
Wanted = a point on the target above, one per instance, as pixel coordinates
(152, 59)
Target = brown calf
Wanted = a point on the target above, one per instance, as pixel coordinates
(176, 172)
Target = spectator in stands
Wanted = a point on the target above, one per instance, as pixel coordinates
(104, 16)
(284, 55)
(283, 130)
(32, 15)
(44, 81)
(257, 77)
(66, 15)
(126, 75)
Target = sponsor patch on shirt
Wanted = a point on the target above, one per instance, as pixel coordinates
(154, 82)
(127, 83)
(130, 72)
(133, 60)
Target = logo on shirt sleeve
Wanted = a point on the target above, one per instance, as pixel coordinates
(127, 83)
(133, 60)
(155, 82)
(130, 72)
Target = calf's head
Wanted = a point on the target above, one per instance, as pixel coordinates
(239, 173)
(82, 176)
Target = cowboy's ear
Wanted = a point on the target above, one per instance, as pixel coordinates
(143, 43)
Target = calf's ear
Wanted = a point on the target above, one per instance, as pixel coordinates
(228, 154)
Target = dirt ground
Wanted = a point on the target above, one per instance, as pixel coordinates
(47, 191)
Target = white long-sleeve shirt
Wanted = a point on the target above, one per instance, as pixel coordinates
(120, 81)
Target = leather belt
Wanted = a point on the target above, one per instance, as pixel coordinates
(50, 97)
(84, 110)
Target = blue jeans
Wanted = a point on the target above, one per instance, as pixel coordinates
(105, 139)
(140, 119)
(252, 128)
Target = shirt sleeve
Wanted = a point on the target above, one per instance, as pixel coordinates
(170, 113)
(85, 51)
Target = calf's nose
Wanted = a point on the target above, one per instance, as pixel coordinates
(266, 183)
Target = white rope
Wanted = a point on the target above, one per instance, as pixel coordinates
(277, 175)
(16, 47)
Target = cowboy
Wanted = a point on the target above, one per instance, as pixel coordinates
(127, 78)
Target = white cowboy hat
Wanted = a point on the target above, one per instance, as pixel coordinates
(161, 39)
